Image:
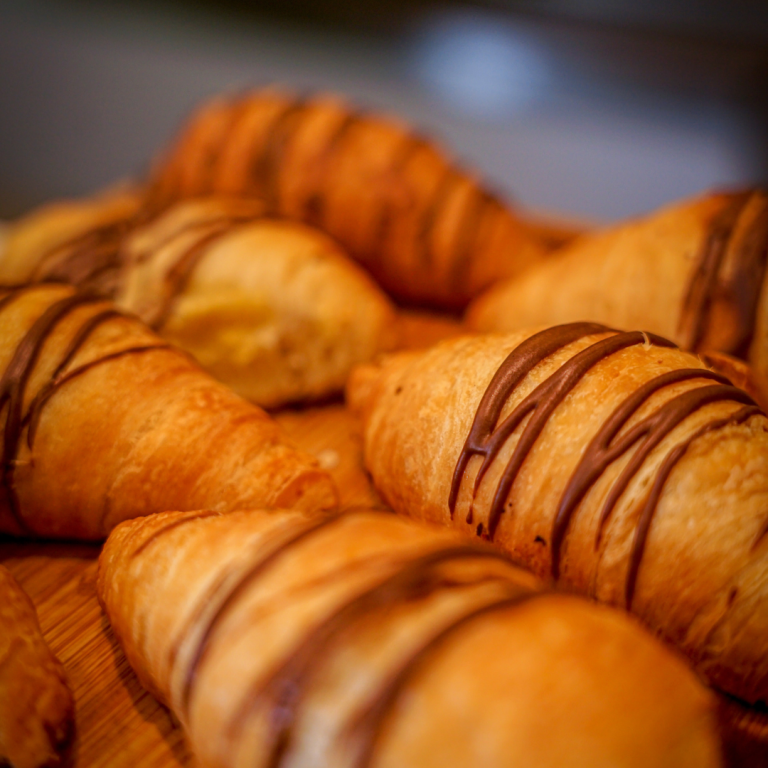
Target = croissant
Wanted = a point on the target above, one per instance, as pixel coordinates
(102, 420)
(36, 706)
(693, 272)
(427, 230)
(76, 241)
(612, 463)
(271, 308)
(364, 639)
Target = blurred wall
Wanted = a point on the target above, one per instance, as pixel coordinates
(580, 118)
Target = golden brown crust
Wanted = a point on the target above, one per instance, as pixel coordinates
(692, 272)
(271, 308)
(385, 643)
(682, 537)
(104, 421)
(36, 706)
(427, 230)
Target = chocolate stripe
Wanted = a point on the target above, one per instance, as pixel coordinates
(246, 579)
(266, 169)
(656, 427)
(179, 274)
(365, 731)
(314, 211)
(410, 145)
(651, 503)
(431, 215)
(13, 385)
(541, 403)
(602, 451)
(703, 284)
(88, 259)
(283, 689)
(466, 240)
(33, 415)
(515, 367)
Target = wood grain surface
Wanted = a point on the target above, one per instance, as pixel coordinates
(119, 724)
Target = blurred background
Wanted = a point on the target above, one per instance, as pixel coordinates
(591, 109)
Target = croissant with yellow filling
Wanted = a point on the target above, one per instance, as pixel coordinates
(427, 230)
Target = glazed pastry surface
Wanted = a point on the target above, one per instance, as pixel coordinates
(36, 706)
(103, 420)
(271, 308)
(612, 463)
(367, 640)
(693, 272)
(426, 229)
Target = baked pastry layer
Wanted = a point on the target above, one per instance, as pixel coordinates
(426, 229)
(364, 639)
(693, 272)
(103, 420)
(269, 307)
(612, 463)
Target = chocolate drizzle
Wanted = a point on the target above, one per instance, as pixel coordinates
(266, 167)
(646, 515)
(431, 215)
(486, 438)
(737, 293)
(284, 688)
(364, 732)
(16, 376)
(13, 386)
(411, 144)
(476, 209)
(179, 274)
(314, 212)
(91, 260)
(232, 593)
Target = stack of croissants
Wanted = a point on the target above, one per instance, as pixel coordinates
(570, 566)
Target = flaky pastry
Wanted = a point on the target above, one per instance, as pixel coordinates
(271, 308)
(73, 241)
(426, 229)
(693, 272)
(367, 640)
(103, 420)
(613, 463)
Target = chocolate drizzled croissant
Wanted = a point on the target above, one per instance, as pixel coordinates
(693, 272)
(77, 242)
(271, 308)
(102, 420)
(365, 640)
(611, 462)
(426, 229)
(36, 706)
